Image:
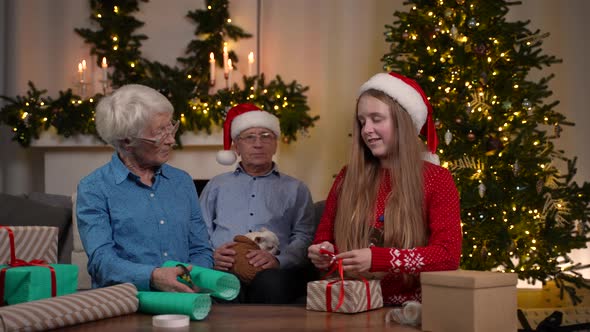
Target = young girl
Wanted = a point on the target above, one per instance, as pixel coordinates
(390, 212)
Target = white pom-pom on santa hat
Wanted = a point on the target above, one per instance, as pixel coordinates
(240, 118)
(413, 99)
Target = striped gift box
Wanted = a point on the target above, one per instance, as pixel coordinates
(355, 295)
(71, 309)
(30, 242)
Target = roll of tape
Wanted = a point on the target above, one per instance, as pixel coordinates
(170, 321)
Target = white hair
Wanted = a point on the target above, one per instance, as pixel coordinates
(126, 112)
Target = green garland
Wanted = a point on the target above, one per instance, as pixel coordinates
(185, 86)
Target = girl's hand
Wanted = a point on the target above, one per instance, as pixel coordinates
(358, 260)
(321, 261)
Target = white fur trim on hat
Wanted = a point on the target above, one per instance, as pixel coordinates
(226, 157)
(404, 94)
(431, 158)
(254, 119)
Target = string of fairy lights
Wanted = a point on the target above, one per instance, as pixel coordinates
(199, 101)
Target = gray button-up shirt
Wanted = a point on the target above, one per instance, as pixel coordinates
(236, 203)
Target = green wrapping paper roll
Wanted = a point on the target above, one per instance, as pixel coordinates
(194, 305)
(219, 284)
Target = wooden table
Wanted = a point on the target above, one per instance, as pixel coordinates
(239, 317)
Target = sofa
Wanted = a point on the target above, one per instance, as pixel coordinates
(41, 209)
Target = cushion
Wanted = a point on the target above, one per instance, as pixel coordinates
(79, 256)
(20, 211)
(50, 199)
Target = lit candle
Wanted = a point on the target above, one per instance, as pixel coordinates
(250, 63)
(211, 67)
(80, 72)
(225, 58)
(83, 70)
(104, 66)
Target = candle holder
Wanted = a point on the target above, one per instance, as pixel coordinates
(226, 76)
(105, 85)
(211, 83)
(83, 86)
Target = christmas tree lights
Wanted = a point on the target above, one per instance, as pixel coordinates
(520, 212)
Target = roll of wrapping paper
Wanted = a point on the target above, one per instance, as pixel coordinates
(70, 309)
(218, 284)
(194, 305)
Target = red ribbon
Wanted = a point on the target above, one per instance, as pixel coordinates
(15, 262)
(337, 265)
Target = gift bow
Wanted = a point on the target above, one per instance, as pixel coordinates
(337, 265)
(15, 262)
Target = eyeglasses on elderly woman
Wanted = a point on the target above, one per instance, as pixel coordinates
(169, 131)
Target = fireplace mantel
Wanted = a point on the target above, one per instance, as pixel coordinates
(67, 160)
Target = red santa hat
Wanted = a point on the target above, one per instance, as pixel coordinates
(411, 97)
(240, 118)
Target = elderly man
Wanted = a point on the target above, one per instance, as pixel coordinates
(257, 195)
(136, 212)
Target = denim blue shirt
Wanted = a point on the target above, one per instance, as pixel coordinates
(128, 229)
(237, 203)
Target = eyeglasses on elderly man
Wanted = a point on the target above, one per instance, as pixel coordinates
(169, 131)
(265, 138)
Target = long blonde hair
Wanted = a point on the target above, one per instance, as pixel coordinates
(404, 219)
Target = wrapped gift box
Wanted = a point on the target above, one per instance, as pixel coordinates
(468, 301)
(355, 295)
(30, 283)
(30, 242)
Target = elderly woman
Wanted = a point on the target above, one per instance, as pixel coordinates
(136, 212)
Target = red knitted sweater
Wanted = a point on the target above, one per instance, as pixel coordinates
(443, 252)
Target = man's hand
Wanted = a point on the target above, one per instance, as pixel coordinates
(164, 279)
(262, 258)
(358, 260)
(224, 256)
(321, 261)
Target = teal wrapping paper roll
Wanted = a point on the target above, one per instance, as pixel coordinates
(218, 284)
(194, 305)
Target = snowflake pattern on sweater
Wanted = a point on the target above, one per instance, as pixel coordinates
(443, 251)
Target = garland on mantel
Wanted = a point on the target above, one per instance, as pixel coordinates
(186, 86)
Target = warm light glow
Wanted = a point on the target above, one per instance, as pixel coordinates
(104, 63)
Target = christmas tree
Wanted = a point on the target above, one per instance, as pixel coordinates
(521, 210)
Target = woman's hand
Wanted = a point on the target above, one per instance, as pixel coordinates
(321, 261)
(358, 260)
(164, 279)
